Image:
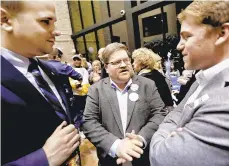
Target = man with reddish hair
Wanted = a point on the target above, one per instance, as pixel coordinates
(197, 131)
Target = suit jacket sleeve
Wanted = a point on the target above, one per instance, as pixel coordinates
(92, 126)
(204, 134)
(36, 158)
(157, 113)
(170, 122)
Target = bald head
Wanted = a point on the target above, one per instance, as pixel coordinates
(13, 6)
(28, 27)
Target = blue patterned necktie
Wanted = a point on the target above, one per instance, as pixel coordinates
(49, 95)
(45, 88)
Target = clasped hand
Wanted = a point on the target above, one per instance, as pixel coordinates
(129, 147)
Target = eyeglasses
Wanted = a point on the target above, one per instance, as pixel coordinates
(119, 62)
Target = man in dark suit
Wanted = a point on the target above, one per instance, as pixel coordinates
(35, 131)
(197, 131)
(122, 111)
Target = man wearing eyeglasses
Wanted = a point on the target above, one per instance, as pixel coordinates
(122, 111)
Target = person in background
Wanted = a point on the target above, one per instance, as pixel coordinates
(122, 111)
(158, 63)
(80, 88)
(103, 71)
(197, 131)
(186, 81)
(87, 65)
(144, 66)
(95, 75)
(56, 54)
(37, 127)
(54, 59)
(158, 66)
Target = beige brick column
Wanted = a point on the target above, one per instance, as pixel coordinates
(63, 24)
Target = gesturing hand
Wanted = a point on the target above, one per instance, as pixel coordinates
(61, 144)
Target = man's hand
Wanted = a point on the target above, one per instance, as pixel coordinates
(131, 136)
(175, 132)
(129, 148)
(61, 144)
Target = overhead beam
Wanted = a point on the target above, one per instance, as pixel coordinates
(95, 27)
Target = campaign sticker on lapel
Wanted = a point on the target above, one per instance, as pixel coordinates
(134, 87)
(133, 96)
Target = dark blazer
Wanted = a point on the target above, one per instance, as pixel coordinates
(102, 125)
(161, 85)
(27, 118)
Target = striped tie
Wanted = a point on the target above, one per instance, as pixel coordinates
(74, 159)
(45, 88)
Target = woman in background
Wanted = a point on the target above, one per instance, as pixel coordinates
(96, 72)
(143, 65)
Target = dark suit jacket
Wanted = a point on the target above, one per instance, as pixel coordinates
(103, 124)
(161, 85)
(27, 118)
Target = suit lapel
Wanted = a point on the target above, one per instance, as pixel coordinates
(48, 69)
(131, 103)
(217, 82)
(18, 84)
(113, 100)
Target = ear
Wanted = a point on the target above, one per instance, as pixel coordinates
(6, 23)
(223, 34)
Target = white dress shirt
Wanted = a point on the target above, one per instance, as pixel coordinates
(204, 76)
(122, 96)
(22, 63)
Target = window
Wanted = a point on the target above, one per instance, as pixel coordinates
(153, 25)
(133, 3)
(143, 1)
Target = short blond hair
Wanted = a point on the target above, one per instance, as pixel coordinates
(96, 62)
(84, 63)
(213, 13)
(110, 49)
(145, 57)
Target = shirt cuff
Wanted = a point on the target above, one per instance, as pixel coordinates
(144, 141)
(113, 149)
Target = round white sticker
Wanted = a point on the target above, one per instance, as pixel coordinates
(134, 87)
(133, 96)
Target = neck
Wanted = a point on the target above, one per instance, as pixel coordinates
(121, 86)
(15, 46)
